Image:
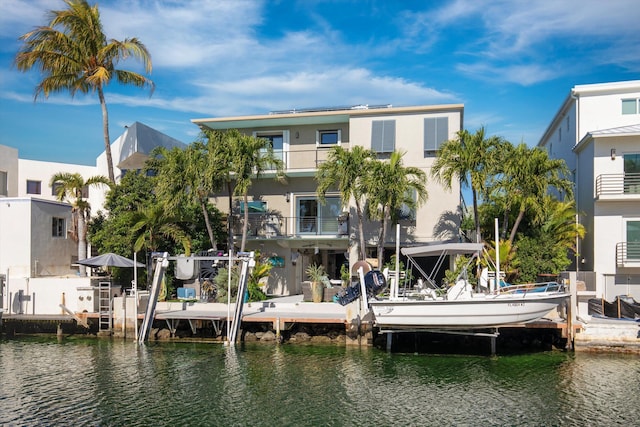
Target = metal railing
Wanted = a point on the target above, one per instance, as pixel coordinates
(627, 252)
(305, 159)
(274, 225)
(617, 184)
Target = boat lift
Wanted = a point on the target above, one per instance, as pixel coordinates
(245, 258)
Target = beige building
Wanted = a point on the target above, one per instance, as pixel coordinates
(287, 221)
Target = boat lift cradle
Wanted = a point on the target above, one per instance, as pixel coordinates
(245, 258)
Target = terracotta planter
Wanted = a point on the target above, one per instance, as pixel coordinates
(317, 289)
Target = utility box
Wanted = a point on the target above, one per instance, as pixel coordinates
(87, 299)
(186, 293)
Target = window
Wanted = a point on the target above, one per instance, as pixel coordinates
(633, 240)
(630, 106)
(33, 187)
(58, 227)
(255, 206)
(4, 187)
(632, 173)
(328, 137)
(317, 218)
(279, 141)
(407, 211)
(55, 187)
(436, 131)
(383, 136)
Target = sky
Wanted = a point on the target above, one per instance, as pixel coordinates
(511, 63)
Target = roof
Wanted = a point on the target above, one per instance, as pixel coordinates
(139, 140)
(631, 130)
(315, 116)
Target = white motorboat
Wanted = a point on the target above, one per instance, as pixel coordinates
(490, 304)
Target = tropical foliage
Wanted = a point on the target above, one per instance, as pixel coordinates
(390, 188)
(73, 54)
(70, 187)
(346, 171)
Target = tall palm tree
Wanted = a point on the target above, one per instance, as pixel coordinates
(181, 177)
(73, 54)
(235, 160)
(390, 187)
(526, 177)
(347, 170)
(69, 187)
(471, 159)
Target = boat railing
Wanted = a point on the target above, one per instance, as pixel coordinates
(531, 287)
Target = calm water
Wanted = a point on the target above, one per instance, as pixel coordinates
(89, 382)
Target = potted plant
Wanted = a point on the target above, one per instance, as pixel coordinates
(317, 276)
(345, 275)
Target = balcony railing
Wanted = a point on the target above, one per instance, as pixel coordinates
(615, 184)
(304, 159)
(627, 252)
(273, 226)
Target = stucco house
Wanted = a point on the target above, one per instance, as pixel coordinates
(287, 221)
(36, 252)
(597, 132)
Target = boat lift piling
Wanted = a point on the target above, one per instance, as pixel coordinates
(247, 259)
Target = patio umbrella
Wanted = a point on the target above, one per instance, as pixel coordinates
(109, 260)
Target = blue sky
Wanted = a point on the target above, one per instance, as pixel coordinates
(511, 63)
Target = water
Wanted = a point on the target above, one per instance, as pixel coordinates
(91, 382)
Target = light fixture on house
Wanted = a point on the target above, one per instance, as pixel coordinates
(613, 154)
(297, 135)
(287, 196)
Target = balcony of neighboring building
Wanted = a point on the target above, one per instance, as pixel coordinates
(618, 186)
(628, 254)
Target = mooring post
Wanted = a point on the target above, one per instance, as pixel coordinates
(389, 341)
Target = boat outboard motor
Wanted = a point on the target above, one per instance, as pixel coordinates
(375, 282)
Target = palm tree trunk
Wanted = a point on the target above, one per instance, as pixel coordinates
(381, 236)
(360, 215)
(105, 131)
(245, 226)
(207, 223)
(475, 216)
(516, 224)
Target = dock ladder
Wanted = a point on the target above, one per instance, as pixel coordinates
(104, 306)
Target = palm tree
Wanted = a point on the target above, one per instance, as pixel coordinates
(69, 187)
(390, 187)
(526, 176)
(471, 159)
(181, 177)
(236, 159)
(152, 223)
(346, 170)
(73, 54)
(561, 223)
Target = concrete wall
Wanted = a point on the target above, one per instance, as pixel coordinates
(9, 164)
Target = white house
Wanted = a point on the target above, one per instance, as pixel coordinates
(36, 252)
(597, 132)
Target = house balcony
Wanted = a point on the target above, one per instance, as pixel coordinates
(628, 254)
(304, 162)
(274, 226)
(618, 186)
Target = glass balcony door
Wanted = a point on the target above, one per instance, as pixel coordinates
(314, 217)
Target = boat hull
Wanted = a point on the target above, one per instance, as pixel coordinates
(479, 312)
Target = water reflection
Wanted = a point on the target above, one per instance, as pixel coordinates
(103, 382)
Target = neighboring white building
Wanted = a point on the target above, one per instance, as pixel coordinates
(35, 247)
(597, 132)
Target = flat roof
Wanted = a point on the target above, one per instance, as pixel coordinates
(305, 117)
